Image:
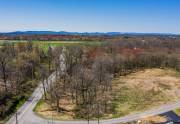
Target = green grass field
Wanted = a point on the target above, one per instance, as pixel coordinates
(46, 44)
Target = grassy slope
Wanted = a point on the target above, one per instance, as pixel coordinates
(177, 111)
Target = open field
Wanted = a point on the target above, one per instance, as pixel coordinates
(136, 92)
(46, 44)
(146, 89)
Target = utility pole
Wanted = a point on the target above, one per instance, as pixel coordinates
(98, 113)
(16, 118)
(52, 116)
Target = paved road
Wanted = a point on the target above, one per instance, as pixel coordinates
(26, 115)
(171, 116)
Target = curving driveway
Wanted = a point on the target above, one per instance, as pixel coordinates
(27, 116)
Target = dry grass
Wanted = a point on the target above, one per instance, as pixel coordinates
(164, 80)
(154, 119)
(136, 92)
(44, 109)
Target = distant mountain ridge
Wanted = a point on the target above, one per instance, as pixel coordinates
(79, 33)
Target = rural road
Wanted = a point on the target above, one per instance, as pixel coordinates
(27, 116)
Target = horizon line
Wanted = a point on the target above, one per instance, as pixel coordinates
(89, 32)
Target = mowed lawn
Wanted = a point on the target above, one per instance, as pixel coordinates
(135, 92)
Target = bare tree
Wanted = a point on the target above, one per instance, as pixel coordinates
(50, 57)
(44, 75)
(4, 60)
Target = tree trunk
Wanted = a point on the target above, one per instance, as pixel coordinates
(44, 88)
(4, 77)
(57, 104)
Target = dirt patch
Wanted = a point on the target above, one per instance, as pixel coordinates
(164, 80)
(44, 109)
(154, 119)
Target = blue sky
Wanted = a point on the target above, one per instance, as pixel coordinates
(91, 15)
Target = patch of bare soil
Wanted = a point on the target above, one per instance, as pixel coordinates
(164, 80)
(154, 119)
(46, 110)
